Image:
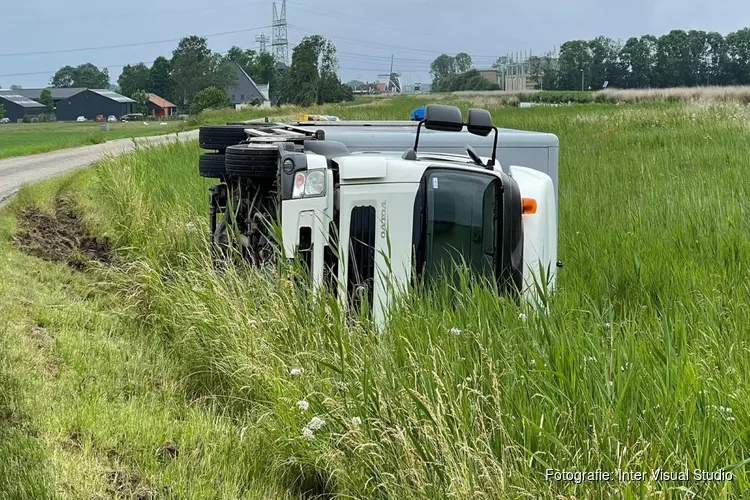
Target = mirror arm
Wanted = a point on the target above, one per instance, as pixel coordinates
(416, 139)
(494, 149)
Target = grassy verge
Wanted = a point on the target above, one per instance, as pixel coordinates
(639, 366)
(20, 139)
(90, 407)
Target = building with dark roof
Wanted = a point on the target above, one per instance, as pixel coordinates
(58, 94)
(158, 106)
(17, 106)
(92, 102)
(245, 89)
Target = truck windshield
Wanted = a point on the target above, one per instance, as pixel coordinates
(458, 227)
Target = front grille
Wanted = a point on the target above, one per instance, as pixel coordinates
(361, 269)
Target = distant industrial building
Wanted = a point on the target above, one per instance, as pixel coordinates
(245, 90)
(92, 102)
(490, 74)
(158, 106)
(17, 106)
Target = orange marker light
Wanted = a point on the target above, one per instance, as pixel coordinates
(528, 206)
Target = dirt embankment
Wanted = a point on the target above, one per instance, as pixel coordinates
(59, 235)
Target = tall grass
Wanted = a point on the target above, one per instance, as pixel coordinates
(731, 94)
(640, 364)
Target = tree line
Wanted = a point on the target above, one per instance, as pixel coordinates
(676, 59)
(195, 78)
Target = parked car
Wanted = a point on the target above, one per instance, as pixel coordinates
(5, 120)
(111, 118)
(99, 118)
(81, 119)
(132, 117)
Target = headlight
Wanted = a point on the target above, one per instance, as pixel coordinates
(309, 184)
(315, 183)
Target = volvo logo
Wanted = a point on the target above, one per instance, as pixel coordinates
(383, 219)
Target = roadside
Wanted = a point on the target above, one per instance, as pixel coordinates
(16, 172)
(89, 406)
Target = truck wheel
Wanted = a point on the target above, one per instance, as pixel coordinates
(259, 161)
(220, 137)
(211, 165)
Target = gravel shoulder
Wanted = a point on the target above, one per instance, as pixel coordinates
(18, 171)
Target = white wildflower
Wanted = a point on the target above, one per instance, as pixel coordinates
(607, 326)
(455, 331)
(294, 372)
(356, 421)
(611, 383)
(308, 434)
(532, 362)
(522, 317)
(468, 379)
(190, 226)
(316, 423)
(303, 405)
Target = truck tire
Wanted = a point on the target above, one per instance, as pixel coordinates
(259, 161)
(211, 165)
(220, 137)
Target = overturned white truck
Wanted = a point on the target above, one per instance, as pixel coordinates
(368, 217)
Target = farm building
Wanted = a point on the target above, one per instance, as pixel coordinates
(57, 94)
(92, 102)
(245, 89)
(17, 106)
(158, 106)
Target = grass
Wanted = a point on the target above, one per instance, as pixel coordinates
(641, 363)
(718, 94)
(19, 139)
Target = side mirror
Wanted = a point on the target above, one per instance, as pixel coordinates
(479, 122)
(443, 118)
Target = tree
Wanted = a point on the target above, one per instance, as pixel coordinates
(15, 87)
(86, 75)
(209, 98)
(312, 77)
(444, 65)
(574, 57)
(64, 78)
(46, 98)
(195, 68)
(133, 79)
(160, 80)
(462, 62)
(354, 83)
(141, 97)
(468, 80)
(2, 111)
(738, 54)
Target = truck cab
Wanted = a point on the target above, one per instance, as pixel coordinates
(369, 224)
(369, 214)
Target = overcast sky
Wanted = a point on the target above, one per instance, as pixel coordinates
(366, 33)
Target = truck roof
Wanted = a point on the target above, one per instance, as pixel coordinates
(377, 133)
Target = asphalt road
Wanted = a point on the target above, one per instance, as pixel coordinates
(18, 171)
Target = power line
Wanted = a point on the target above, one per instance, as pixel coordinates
(328, 13)
(385, 46)
(170, 12)
(134, 44)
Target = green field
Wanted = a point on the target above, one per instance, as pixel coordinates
(18, 139)
(151, 376)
